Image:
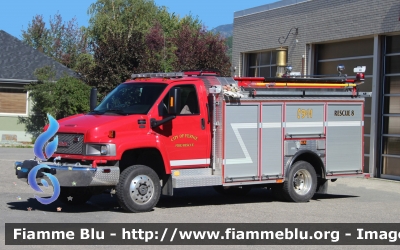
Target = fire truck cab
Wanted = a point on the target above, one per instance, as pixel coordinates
(160, 131)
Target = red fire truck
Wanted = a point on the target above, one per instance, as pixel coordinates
(160, 131)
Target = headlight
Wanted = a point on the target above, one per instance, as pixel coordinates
(100, 149)
(104, 150)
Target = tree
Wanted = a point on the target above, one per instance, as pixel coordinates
(64, 97)
(124, 18)
(154, 57)
(158, 54)
(134, 36)
(37, 35)
(127, 16)
(199, 49)
(62, 41)
(115, 57)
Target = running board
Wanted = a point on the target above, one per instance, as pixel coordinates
(199, 177)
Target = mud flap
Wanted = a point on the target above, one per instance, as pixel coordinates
(322, 186)
(167, 188)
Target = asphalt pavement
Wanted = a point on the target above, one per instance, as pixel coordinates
(350, 200)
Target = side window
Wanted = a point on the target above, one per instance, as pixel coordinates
(189, 100)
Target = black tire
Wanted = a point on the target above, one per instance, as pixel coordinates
(233, 190)
(138, 189)
(74, 195)
(301, 183)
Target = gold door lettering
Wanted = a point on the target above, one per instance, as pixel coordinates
(304, 113)
(184, 136)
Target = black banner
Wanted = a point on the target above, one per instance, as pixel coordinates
(202, 234)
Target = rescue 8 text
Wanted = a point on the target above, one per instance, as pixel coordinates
(343, 113)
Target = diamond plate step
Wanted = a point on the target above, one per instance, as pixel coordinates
(199, 177)
(192, 172)
(196, 181)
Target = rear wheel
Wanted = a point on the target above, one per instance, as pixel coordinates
(138, 189)
(301, 183)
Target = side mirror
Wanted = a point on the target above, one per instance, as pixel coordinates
(174, 101)
(93, 99)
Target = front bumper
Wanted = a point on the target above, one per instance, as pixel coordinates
(71, 175)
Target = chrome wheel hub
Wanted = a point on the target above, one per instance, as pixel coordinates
(302, 182)
(141, 189)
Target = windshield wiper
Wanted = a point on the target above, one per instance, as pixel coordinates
(97, 112)
(117, 111)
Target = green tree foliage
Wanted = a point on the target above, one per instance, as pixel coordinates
(125, 37)
(109, 17)
(64, 97)
(37, 35)
(62, 41)
(115, 57)
(155, 56)
(133, 36)
(123, 40)
(125, 16)
(200, 49)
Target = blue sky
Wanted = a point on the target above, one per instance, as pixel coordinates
(16, 14)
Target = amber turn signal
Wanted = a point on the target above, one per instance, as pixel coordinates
(111, 134)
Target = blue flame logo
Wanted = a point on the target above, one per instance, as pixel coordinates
(50, 148)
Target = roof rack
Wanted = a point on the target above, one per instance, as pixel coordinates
(336, 86)
(295, 82)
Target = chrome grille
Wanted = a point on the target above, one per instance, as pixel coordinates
(70, 144)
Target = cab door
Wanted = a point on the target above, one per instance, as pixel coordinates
(186, 138)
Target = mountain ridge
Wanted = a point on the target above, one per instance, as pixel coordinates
(226, 30)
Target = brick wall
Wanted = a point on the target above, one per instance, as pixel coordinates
(319, 21)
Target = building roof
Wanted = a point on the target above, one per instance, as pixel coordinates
(18, 61)
(266, 7)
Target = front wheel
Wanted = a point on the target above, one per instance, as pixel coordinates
(138, 189)
(301, 183)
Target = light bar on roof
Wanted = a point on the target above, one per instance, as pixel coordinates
(141, 75)
(174, 74)
(154, 75)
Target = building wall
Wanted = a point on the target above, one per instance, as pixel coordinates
(390, 109)
(330, 31)
(14, 103)
(317, 21)
(10, 130)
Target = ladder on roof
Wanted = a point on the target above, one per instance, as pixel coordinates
(288, 86)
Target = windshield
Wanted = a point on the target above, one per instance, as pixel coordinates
(134, 98)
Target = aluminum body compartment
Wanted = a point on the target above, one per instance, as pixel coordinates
(345, 129)
(263, 135)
